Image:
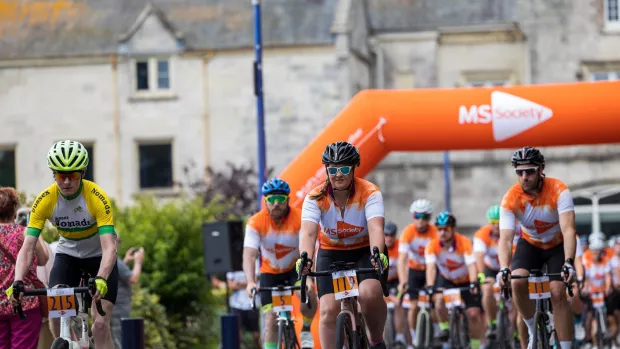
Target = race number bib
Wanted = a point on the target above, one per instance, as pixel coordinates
(61, 302)
(598, 300)
(282, 300)
(423, 300)
(538, 287)
(496, 291)
(406, 301)
(452, 298)
(345, 284)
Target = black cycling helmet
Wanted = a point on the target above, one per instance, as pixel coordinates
(445, 219)
(527, 156)
(341, 153)
(390, 229)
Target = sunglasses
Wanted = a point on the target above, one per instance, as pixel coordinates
(528, 171)
(280, 199)
(345, 170)
(424, 216)
(62, 176)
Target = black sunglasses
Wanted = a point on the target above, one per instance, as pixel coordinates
(528, 171)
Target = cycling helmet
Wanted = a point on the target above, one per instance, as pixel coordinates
(341, 153)
(597, 236)
(527, 156)
(390, 228)
(493, 213)
(445, 219)
(67, 156)
(275, 186)
(597, 245)
(421, 206)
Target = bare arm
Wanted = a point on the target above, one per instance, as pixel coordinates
(403, 272)
(504, 248)
(307, 237)
(473, 272)
(108, 258)
(249, 263)
(375, 233)
(24, 257)
(136, 272)
(567, 224)
(479, 261)
(431, 274)
(579, 268)
(43, 254)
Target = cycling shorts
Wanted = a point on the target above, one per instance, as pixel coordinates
(360, 256)
(530, 257)
(610, 303)
(416, 281)
(67, 270)
(392, 286)
(471, 301)
(490, 273)
(272, 280)
(248, 319)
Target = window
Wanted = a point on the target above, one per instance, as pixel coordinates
(155, 165)
(605, 75)
(151, 75)
(487, 78)
(612, 15)
(90, 170)
(7, 168)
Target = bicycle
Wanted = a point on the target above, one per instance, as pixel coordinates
(504, 338)
(62, 304)
(540, 291)
(599, 319)
(424, 327)
(350, 324)
(459, 324)
(282, 305)
(390, 327)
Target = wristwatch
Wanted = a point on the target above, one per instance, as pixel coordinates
(569, 261)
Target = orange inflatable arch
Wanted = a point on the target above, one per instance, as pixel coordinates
(380, 121)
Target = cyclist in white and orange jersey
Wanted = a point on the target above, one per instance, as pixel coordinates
(544, 207)
(598, 280)
(614, 264)
(485, 250)
(275, 232)
(450, 263)
(350, 213)
(575, 303)
(411, 265)
(392, 243)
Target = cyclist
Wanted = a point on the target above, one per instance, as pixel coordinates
(82, 213)
(575, 303)
(411, 265)
(544, 207)
(351, 215)
(615, 280)
(485, 250)
(451, 254)
(274, 231)
(391, 242)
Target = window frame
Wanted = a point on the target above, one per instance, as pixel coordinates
(589, 69)
(12, 148)
(467, 78)
(164, 189)
(91, 158)
(611, 26)
(153, 92)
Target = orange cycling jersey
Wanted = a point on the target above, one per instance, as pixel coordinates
(539, 216)
(486, 243)
(278, 244)
(596, 271)
(413, 243)
(351, 231)
(393, 266)
(452, 264)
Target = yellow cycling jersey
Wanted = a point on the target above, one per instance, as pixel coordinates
(78, 218)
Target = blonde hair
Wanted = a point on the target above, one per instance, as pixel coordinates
(322, 192)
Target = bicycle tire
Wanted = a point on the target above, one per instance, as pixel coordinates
(464, 330)
(361, 341)
(344, 332)
(60, 343)
(292, 340)
(389, 332)
(600, 337)
(421, 341)
(455, 342)
(281, 335)
(504, 337)
(540, 332)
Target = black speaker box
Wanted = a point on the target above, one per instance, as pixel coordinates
(223, 246)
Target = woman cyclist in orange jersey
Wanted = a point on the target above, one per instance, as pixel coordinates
(351, 215)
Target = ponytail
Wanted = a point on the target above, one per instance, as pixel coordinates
(322, 192)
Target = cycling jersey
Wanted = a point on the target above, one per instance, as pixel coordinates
(452, 264)
(614, 264)
(278, 244)
(596, 271)
(413, 243)
(78, 218)
(486, 243)
(392, 253)
(539, 217)
(351, 232)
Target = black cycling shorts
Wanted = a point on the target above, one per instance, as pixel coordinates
(471, 301)
(67, 270)
(248, 319)
(392, 286)
(272, 280)
(490, 273)
(530, 257)
(416, 281)
(360, 256)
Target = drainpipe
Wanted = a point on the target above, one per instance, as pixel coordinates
(205, 109)
(596, 214)
(116, 131)
(258, 92)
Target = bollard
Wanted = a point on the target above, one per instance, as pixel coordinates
(230, 331)
(132, 333)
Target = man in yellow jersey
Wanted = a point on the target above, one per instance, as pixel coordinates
(82, 213)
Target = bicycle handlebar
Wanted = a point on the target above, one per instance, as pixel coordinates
(43, 292)
(535, 273)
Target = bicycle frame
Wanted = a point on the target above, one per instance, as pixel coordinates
(283, 318)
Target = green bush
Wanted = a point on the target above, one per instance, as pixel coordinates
(146, 305)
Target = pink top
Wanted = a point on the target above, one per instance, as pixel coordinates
(11, 240)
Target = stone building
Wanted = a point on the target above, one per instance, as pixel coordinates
(152, 86)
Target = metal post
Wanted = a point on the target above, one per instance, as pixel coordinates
(446, 179)
(258, 92)
(230, 331)
(132, 333)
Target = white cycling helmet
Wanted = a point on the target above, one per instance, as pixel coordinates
(421, 206)
(597, 245)
(597, 236)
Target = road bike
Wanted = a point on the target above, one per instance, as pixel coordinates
(282, 305)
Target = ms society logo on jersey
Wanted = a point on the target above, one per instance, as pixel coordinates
(510, 115)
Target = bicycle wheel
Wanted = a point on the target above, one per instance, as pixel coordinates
(600, 336)
(504, 335)
(464, 330)
(422, 341)
(540, 338)
(282, 335)
(60, 343)
(455, 342)
(344, 332)
(291, 339)
(389, 333)
(361, 341)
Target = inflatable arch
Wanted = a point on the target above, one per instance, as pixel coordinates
(380, 121)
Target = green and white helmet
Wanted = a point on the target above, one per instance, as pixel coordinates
(67, 156)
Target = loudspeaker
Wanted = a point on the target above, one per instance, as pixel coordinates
(223, 246)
